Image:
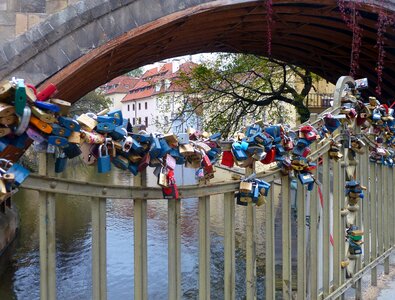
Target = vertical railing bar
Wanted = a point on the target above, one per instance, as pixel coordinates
(358, 222)
(380, 210)
(270, 272)
(386, 229)
(366, 209)
(140, 242)
(286, 238)
(373, 214)
(174, 249)
(313, 272)
(229, 246)
(341, 229)
(301, 246)
(204, 248)
(326, 225)
(99, 262)
(251, 246)
(338, 243)
(392, 200)
(47, 234)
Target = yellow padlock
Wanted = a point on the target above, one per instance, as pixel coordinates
(86, 122)
(75, 137)
(63, 105)
(6, 110)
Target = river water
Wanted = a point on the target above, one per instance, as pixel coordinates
(19, 266)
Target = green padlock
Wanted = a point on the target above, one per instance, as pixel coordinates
(20, 97)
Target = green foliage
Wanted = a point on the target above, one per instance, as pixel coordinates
(91, 102)
(136, 72)
(236, 89)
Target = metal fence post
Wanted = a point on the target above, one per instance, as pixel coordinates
(47, 234)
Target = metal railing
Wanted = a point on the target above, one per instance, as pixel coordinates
(319, 272)
(318, 100)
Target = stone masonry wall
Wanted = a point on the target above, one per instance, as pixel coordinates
(17, 16)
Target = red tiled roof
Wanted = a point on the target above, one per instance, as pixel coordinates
(146, 85)
(123, 84)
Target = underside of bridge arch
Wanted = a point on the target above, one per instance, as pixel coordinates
(310, 34)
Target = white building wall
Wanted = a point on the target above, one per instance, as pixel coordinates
(116, 100)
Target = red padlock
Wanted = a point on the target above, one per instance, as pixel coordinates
(47, 92)
(208, 167)
(227, 159)
(270, 156)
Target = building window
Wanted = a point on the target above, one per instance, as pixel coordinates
(146, 121)
(139, 106)
(139, 120)
(128, 107)
(134, 121)
(146, 105)
(133, 106)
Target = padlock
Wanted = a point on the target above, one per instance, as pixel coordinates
(4, 194)
(47, 106)
(165, 147)
(92, 137)
(57, 141)
(4, 131)
(88, 153)
(162, 177)
(69, 123)
(75, 137)
(63, 105)
(133, 168)
(199, 174)
(86, 122)
(9, 120)
(215, 136)
(72, 150)
(6, 110)
(275, 132)
(104, 160)
(171, 139)
(20, 173)
(44, 127)
(20, 97)
(183, 138)
(206, 163)
(35, 135)
(253, 130)
(170, 161)
(305, 178)
(245, 186)
(12, 152)
(105, 127)
(117, 115)
(174, 152)
(186, 149)
(47, 92)
(60, 131)
(202, 146)
(60, 162)
(42, 115)
(270, 156)
(144, 162)
(118, 133)
(106, 119)
(240, 200)
(121, 162)
(155, 148)
(227, 159)
(238, 152)
(7, 91)
(141, 137)
(193, 161)
(261, 200)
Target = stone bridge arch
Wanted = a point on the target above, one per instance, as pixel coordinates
(93, 41)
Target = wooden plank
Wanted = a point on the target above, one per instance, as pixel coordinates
(174, 250)
(386, 228)
(204, 248)
(99, 255)
(140, 242)
(270, 270)
(229, 246)
(366, 210)
(286, 238)
(379, 201)
(301, 242)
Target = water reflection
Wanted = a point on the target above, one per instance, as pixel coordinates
(19, 278)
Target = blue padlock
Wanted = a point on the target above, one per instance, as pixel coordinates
(19, 172)
(60, 131)
(180, 159)
(155, 148)
(47, 106)
(238, 152)
(58, 141)
(60, 163)
(69, 123)
(141, 138)
(72, 150)
(121, 162)
(118, 133)
(165, 148)
(263, 185)
(253, 129)
(255, 193)
(106, 119)
(104, 160)
(275, 132)
(133, 168)
(305, 178)
(215, 136)
(117, 115)
(105, 127)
